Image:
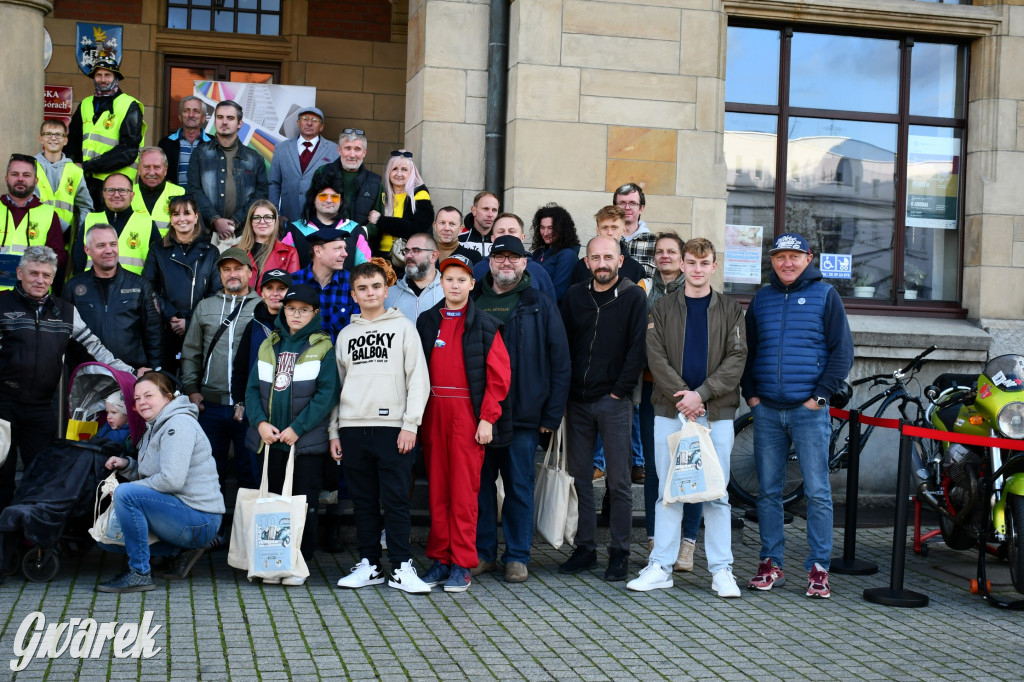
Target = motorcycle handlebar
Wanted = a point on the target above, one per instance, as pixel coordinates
(918, 361)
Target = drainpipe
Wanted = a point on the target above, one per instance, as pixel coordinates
(497, 98)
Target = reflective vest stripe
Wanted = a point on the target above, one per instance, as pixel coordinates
(100, 137)
(19, 237)
(161, 209)
(63, 197)
(132, 243)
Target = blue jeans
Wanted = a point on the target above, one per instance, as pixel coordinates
(635, 443)
(808, 430)
(652, 484)
(717, 513)
(516, 465)
(219, 425)
(142, 510)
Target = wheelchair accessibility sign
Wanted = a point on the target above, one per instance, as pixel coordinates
(836, 265)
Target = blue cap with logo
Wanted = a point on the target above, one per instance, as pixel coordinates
(790, 242)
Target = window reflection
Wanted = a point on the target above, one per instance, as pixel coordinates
(937, 80)
(752, 66)
(749, 147)
(844, 73)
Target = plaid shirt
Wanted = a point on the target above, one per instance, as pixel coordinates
(336, 304)
(641, 247)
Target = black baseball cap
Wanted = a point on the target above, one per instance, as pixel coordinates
(276, 275)
(510, 243)
(303, 293)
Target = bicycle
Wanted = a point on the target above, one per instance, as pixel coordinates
(743, 481)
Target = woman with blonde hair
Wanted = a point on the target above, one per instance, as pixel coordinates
(407, 207)
(259, 240)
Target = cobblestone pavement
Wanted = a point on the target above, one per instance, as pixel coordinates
(217, 626)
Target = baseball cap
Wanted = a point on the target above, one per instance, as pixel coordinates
(328, 234)
(278, 275)
(790, 242)
(459, 261)
(310, 110)
(510, 243)
(234, 253)
(303, 293)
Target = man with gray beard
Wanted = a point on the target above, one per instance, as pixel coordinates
(420, 288)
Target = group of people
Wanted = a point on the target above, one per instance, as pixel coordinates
(323, 309)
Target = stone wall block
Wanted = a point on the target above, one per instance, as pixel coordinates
(701, 44)
(1010, 78)
(1010, 285)
(668, 209)
(642, 144)
(710, 104)
(573, 156)
(623, 54)
(701, 168)
(535, 32)
(550, 93)
(626, 20)
(655, 177)
(444, 95)
(414, 100)
(389, 107)
(465, 48)
(384, 81)
(346, 104)
(340, 77)
(651, 114)
(452, 154)
(996, 239)
(644, 86)
(335, 51)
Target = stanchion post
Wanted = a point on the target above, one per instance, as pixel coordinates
(895, 595)
(849, 564)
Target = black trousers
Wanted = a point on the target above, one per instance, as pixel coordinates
(378, 476)
(307, 480)
(33, 428)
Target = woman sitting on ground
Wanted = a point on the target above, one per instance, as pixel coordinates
(173, 490)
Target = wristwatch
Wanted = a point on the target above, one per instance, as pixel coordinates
(822, 402)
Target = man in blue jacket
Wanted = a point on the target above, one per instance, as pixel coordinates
(539, 355)
(800, 352)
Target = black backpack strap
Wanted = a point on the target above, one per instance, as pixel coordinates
(220, 332)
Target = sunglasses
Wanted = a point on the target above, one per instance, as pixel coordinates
(397, 152)
(351, 131)
(333, 198)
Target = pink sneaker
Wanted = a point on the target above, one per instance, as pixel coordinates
(817, 583)
(769, 574)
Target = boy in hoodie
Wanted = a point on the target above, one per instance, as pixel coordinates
(291, 391)
(384, 389)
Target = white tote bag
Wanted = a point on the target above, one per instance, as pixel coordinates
(266, 531)
(556, 509)
(694, 474)
(106, 527)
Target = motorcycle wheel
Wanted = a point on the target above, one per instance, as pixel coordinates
(956, 537)
(1015, 543)
(743, 482)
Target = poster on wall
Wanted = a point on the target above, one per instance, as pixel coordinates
(743, 254)
(58, 103)
(268, 111)
(933, 180)
(95, 42)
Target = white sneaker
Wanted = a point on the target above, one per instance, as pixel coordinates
(293, 581)
(407, 580)
(364, 573)
(271, 581)
(652, 577)
(724, 584)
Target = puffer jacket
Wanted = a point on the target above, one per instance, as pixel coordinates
(213, 379)
(208, 168)
(182, 275)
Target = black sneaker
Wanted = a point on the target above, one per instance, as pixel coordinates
(581, 560)
(183, 563)
(618, 565)
(129, 581)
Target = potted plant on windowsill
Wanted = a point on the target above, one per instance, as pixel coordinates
(913, 278)
(862, 287)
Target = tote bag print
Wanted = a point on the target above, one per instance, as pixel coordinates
(694, 472)
(688, 468)
(273, 537)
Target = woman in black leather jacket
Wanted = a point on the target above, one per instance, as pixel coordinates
(182, 271)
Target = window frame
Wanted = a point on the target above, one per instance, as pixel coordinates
(782, 111)
(212, 6)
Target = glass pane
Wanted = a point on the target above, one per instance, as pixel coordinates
(246, 22)
(248, 4)
(845, 73)
(228, 3)
(932, 230)
(224, 22)
(749, 146)
(752, 66)
(840, 196)
(181, 86)
(250, 77)
(200, 20)
(271, 5)
(177, 18)
(937, 80)
(270, 25)
(200, 3)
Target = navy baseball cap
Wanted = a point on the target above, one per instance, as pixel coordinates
(328, 234)
(790, 242)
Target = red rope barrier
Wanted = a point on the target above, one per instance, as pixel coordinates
(933, 434)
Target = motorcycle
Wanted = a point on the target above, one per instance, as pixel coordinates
(978, 492)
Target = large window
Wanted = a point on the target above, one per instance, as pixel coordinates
(255, 17)
(856, 143)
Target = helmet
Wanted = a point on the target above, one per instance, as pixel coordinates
(109, 64)
(841, 398)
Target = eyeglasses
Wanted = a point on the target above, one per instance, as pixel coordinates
(309, 119)
(512, 258)
(55, 136)
(399, 152)
(415, 251)
(298, 312)
(351, 131)
(333, 198)
(628, 204)
(122, 191)
(264, 218)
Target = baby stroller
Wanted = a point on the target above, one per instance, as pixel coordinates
(51, 512)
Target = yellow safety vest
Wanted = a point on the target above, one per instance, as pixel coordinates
(161, 214)
(31, 231)
(132, 243)
(100, 137)
(63, 197)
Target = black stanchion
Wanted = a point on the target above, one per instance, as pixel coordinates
(849, 564)
(895, 595)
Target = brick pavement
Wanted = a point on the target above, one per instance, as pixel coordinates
(216, 626)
